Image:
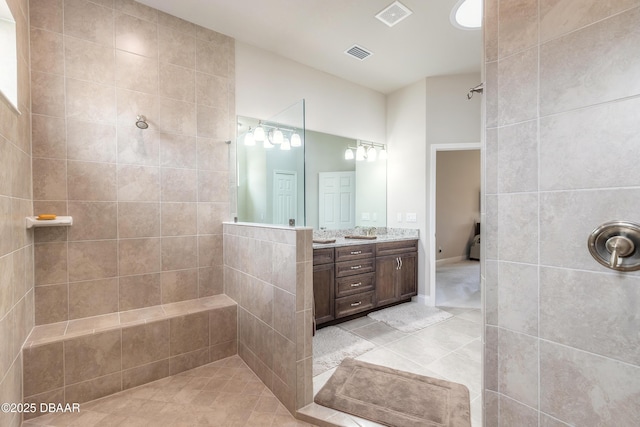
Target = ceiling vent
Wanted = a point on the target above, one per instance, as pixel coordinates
(358, 52)
(394, 13)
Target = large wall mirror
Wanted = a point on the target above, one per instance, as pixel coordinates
(8, 56)
(322, 181)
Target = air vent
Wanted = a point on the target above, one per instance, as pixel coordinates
(394, 13)
(358, 52)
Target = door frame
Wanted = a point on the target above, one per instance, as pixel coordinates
(277, 172)
(432, 205)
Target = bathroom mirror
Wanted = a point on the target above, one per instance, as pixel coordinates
(313, 183)
(8, 56)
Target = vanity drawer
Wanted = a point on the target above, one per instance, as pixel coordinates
(398, 247)
(351, 268)
(350, 285)
(322, 256)
(354, 304)
(351, 252)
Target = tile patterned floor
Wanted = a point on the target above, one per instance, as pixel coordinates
(223, 393)
(449, 350)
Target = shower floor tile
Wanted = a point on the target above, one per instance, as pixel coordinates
(223, 393)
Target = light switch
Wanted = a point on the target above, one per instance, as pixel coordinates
(411, 217)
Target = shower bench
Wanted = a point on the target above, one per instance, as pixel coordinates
(85, 359)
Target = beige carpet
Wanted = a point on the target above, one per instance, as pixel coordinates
(410, 316)
(395, 398)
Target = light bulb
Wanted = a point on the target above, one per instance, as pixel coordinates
(296, 141)
(267, 144)
(360, 153)
(278, 137)
(371, 154)
(249, 139)
(348, 154)
(285, 144)
(258, 134)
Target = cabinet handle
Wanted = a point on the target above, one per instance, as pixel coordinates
(355, 285)
(400, 262)
(356, 252)
(356, 267)
(355, 304)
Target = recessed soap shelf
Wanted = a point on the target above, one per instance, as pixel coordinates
(60, 221)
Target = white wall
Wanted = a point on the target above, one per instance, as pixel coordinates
(267, 84)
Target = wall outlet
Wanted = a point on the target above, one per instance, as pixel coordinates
(440, 249)
(365, 216)
(411, 217)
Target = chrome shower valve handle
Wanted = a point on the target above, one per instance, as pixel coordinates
(614, 245)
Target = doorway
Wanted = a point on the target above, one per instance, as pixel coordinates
(450, 239)
(284, 196)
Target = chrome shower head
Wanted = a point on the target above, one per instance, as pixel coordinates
(141, 122)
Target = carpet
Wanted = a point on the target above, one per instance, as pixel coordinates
(395, 398)
(410, 317)
(331, 345)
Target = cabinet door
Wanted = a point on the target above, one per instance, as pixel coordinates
(386, 270)
(323, 292)
(408, 275)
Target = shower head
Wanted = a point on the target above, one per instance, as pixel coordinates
(141, 122)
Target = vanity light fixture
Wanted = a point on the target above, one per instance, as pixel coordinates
(372, 154)
(249, 138)
(360, 153)
(267, 143)
(278, 137)
(383, 155)
(348, 154)
(296, 141)
(286, 145)
(366, 151)
(258, 133)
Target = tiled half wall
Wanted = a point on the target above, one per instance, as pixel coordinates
(269, 273)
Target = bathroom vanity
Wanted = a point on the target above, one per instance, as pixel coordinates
(355, 277)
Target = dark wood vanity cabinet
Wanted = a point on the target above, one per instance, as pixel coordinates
(351, 279)
(396, 272)
(324, 285)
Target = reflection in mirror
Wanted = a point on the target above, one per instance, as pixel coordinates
(8, 56)
(270, 157)
(344, 191)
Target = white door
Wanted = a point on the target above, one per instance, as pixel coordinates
(337, 200)
(284, 197)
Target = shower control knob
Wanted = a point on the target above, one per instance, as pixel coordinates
(620, 247)
(615, 245)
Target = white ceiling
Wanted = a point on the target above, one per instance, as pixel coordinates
(317, 32)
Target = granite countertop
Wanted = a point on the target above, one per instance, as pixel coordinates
(391, 235)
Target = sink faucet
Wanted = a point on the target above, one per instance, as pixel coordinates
(370, 231)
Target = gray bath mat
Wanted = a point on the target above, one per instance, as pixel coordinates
(331, 345)
(410, 317)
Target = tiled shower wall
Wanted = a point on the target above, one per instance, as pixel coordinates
(147, 205)
(269, 273)
(562, 125)
(16, 244)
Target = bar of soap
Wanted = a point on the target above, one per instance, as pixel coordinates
(46, 216)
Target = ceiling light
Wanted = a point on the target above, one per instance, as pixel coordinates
(467, 14)
(296, 141)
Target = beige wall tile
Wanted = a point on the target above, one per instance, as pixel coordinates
(136, 35)
(138, 256)
(91, 181)
(179, 285)
(210, 250)
(93, 220)
(132, 103)
(517, 75)
(90, 61)
(47, 94)
(144, 374)
(92, 260)
(513, 413)
(90, 102)
(179, 253)
(284, 311)
(50, 263)
(518, 157)
(93, 298)
(211, 216)
(211, 281)
(177, 151)
(518, 216)
(518, 367)
(47, 54)
(213, 154)
(136, 146)
(7, 285)
(51, 304)
(223, 325)
(6, 166)
(189, 333)
(212, 123)
(144, 344)
(212, 91)
(134, 8)
(212, 58)
(186, 361)
(518, 297)
(213, 186)
(177, 117)
(88, 21)
(177, 82)
(43, 368)
(177, 47)
(138, 183)
(48, 137)
(166, 20)
(136, 72)
(179, 185)
(46, 14)
(518, 29)
(94, 389)
(139, 291)
(179, 219)
(92, 356)
(138, 219)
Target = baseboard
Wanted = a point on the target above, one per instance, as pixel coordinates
(451, 260)
(423, 299)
